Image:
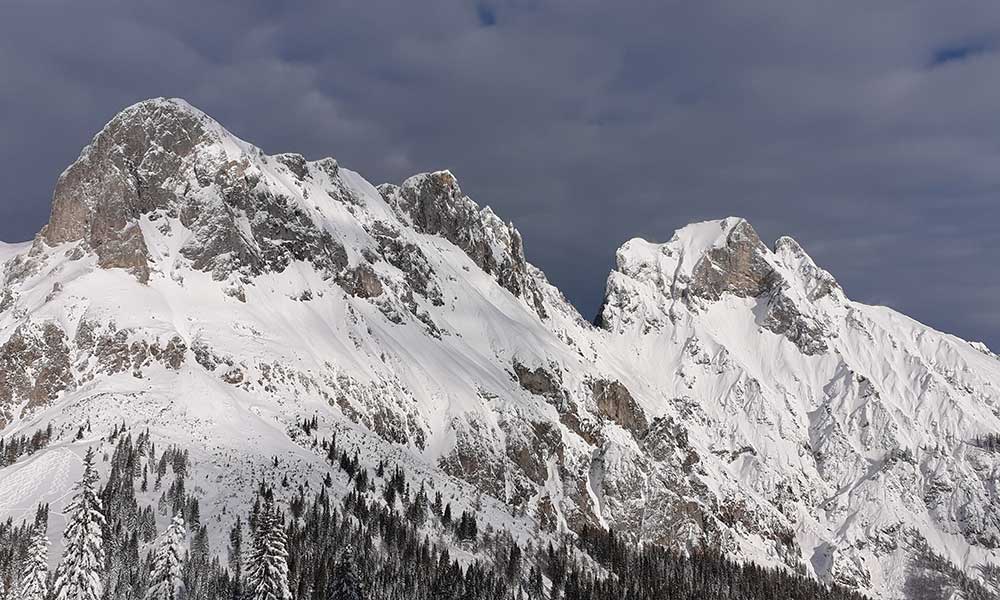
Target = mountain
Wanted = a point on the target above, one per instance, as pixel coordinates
(729, 394)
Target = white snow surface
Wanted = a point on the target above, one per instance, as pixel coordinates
(8, 251)
(849, 451)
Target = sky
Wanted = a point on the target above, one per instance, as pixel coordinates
(869, 132)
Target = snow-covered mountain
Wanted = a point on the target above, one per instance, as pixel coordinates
(729, 394)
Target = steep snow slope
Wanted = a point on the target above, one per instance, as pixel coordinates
(731, 394)
(854, 422)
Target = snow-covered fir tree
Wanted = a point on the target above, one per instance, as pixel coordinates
(78, 576)
(345, 584)
(267, 567)
(166, 575)
(33, 584)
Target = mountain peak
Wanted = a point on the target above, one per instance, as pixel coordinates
(433, 203)
(161, 105)
(127, 171)
(816, 283)
(172, 123)
(735, 262)
(704, 262)
(708, 258)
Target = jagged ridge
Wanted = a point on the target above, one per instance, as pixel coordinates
(733, 395)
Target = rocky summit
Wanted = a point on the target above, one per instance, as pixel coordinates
(728, 395)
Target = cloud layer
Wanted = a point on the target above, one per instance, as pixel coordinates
(867, 132)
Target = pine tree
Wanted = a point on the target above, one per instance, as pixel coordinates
(78, 576)
(417, 511)
(345, 585)
(165, 582)
(236, 556)
(267, 576)
(536, 586)
(33, 584)
(198, 582)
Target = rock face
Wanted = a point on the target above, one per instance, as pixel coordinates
(164, 158)
(616, 403)
(34, 369)
(732, 395)
(737, 267)
(124, 173)
(539, 381)
(434, 204)
(363, 282)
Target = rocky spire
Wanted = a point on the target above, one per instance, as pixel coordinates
(122, 175)
(433, 203)
(163, 157)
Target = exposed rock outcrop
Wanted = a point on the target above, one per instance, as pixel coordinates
(615, 402)
(34, 368)
(434, 204)
(164, 158)
(540, 381)
(361, 281)
(738, 267)
(785, 318)
(124, 173)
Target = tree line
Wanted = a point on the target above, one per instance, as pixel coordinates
(385, 539)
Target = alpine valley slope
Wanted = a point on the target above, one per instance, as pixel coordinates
(729, 394)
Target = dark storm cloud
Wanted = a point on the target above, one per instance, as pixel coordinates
(869, 132)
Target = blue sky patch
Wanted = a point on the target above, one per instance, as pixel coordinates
(957, 53)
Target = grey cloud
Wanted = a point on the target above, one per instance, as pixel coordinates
(868, 132)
